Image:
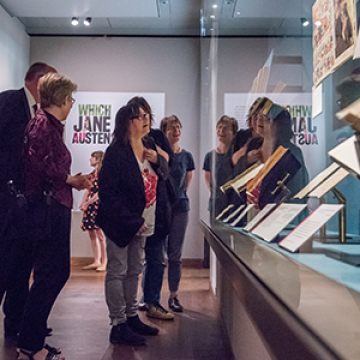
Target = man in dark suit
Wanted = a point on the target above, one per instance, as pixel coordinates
(17, 107)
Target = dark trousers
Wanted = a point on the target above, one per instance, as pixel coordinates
(49, 240)
(14, 280)
(154, 268)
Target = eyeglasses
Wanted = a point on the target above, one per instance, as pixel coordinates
(143, 117)
(73, 100)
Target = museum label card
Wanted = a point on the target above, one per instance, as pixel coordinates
(317, 100)
(309, 226)
(316, 181)
(259, 217)
(328, 184)
(277, 220)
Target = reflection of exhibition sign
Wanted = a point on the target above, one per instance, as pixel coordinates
(91, 122)
(308, 134)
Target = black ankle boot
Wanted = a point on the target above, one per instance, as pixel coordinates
(122, 334)
(136, 325)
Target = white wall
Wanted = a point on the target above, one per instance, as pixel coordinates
(168, 65)
(14, 52)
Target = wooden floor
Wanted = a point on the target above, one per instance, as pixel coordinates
(81, 325)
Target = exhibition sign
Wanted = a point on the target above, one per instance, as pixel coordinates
(90, 125)
(309, 133)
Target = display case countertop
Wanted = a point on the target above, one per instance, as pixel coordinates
(320, 293)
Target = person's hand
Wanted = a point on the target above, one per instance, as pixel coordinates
(79, 181)
(84, 206)
(150, 155)
(142, 229)
(253, 156)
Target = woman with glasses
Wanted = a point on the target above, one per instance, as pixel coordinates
(274, 124)
(48, 189)
(155, 244)
(129, 178)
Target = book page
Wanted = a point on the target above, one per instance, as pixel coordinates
(316, 181)
(269, 164)
(351, 114)
(328, 184)
(239, 182)
(259, 217)
(233, 214)
(309, 226)
(243, 213)
(346, 155)
(277, 220)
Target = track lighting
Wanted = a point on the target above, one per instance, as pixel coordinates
(304, 22)
(87, 21)
(74, 21)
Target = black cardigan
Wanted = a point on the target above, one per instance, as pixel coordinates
(122, 192)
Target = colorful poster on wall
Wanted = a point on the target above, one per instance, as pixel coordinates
(323, 39)
(334, 35)
(90, 125)
(309, 133)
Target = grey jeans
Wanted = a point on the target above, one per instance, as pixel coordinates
(121, 282)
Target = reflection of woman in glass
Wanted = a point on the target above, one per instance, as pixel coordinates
(89, 206)
(275, 126)
(218, 167)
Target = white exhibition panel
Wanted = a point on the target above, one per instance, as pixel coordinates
(98, 110)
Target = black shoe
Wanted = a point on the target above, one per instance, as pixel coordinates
(122, 334)
(136, 325)
(174, 305)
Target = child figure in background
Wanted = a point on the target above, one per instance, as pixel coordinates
(181, 170)
(90, 205)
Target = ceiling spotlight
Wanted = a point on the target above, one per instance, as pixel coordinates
(74, 21)
(214, 6)
(318, 23)
(87, 21)
(212, 16)
(304, 22)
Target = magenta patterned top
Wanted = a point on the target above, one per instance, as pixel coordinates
(47, 159)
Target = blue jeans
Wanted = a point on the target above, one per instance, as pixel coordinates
(174, 248)
(154, 269)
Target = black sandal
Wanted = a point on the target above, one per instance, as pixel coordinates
(30, 355)
(53, 350)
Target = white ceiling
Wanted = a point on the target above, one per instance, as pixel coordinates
(162, 17)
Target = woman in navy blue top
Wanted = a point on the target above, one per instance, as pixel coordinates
(181, 171)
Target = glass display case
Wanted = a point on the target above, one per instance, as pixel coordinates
(266, 50)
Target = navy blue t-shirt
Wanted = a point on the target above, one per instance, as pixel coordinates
(182, 163)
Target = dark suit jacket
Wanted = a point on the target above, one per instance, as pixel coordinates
(122, 192)
(14, 116)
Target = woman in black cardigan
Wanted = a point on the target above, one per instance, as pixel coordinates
(131, 173)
